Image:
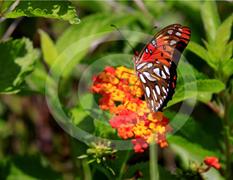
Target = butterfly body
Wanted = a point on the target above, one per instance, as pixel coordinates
(156, 64)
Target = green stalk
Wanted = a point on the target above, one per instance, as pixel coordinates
(86, 170)
(154, 172)
(226, 125)
(123, 165)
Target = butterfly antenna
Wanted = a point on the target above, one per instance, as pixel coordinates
(114, 26)
(154, 27)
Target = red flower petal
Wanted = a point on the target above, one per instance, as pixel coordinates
(212, 162)
(110, 70)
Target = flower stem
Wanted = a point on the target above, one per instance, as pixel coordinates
(227, 139)
(123, 165)
(154, 173)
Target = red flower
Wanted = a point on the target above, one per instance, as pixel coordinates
(212, 161)
(139, 145)
(122, 96)
(110, 70)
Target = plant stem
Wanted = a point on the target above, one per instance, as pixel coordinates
(123, 165)
(227, 138)
(154, 173)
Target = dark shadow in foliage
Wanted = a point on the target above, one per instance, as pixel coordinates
(4, 169)
(32, 166)
(16, 61)
(9, 69)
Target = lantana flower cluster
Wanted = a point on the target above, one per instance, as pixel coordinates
(122, 96)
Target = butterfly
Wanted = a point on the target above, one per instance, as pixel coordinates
(156, 64)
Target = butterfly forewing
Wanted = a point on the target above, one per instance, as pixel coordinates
(156, 64)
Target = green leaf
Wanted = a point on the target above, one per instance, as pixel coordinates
(77, 40)
(228, 67)
(36, 80)
(103, 129)
(48, 9)
(81, 119)
(202, 53)
(17, 60)
(4, 6)
(192, 130)
(190, 152)
(219, 48)
(210, 19)
(201, 89)
(228, 52)
(78, 115)
(31, 167)
(92, 25)
(48, 48)
(222, 37)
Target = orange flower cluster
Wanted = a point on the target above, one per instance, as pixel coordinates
(122, 95)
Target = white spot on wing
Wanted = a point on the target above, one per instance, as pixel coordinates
(172, 42)
(166, 69)
(147, 91)
(142, 78)
(164, 90)
(170, 31)
(153, 42)
(157, 89)
(163, 75)
(156, 71)
(178, 33)
(154, 94)
(149, 65)
(140, 66)
(148, 76)
(152, 104)
(160, 101)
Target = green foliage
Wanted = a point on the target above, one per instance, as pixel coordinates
(67, 50)
(189, 152)
(200, 89)
(76, 40)
(16, 63)
(192, 130)
(27, 167)
(48, 48)
(47, 9)
(194, 84)
(210, 19)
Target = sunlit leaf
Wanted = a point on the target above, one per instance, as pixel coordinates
(48, 48)
(202, 53)
(222, 37)
(210, 19)
(16, 63)
(201, 89)
(48, 9)
(77, 40)
(228, 67)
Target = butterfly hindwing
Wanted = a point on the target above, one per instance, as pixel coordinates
(156, 64)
